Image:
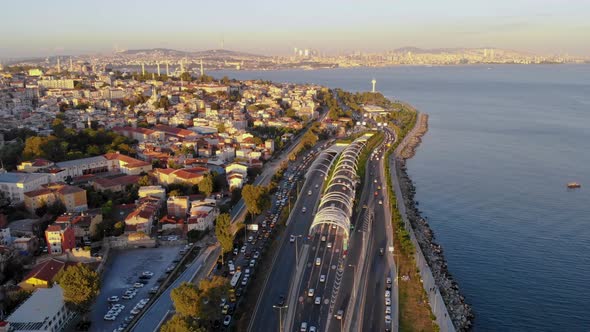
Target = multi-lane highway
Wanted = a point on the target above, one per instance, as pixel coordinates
(266, 317)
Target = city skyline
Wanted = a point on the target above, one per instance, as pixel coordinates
(268, 28)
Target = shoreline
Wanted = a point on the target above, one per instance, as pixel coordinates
(460, 312)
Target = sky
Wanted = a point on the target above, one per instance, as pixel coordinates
(275, 27)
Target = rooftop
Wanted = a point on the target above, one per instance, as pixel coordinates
(43, 304)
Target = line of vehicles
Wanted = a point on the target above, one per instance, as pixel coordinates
(247, 253)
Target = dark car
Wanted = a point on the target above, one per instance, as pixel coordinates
(281, 301)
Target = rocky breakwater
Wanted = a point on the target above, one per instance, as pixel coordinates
(460, 312)
(415, 138)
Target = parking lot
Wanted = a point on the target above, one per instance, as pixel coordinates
(123, 270)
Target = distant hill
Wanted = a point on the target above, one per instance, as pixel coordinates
(219, 53)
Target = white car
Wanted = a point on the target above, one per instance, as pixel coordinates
(388, 319)
(387, 294)
(322, 278)
(303, 209)
(310, 292)
(380, 202)
(135, 311)
(318, 300)
(318, 261)
(388, 310)
(309, 193)
(317, 186)
(387, 301)
(148, 274)
(243, 250)
(138, 285)
(303, 327)
(109, 317)
(113, 298)
(312, 329)
(119, 306)
(329, 245)
(292, 238)
(323, 238)
(227, 320)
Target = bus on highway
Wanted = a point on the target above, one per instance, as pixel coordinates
(235, 279)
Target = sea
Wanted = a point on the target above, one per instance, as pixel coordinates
(491, 175)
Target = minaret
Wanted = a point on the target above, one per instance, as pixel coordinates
(158, 63)
(167, 71)
(71, 65)
(58, 66)
(142, 69)
(89, 122)
(181, 66)
(374, 82)
(202, 72)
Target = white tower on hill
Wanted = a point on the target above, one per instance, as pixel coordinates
(374, 81)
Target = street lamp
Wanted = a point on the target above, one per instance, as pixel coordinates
(280, 315)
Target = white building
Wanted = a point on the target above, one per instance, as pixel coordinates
(44, 311)
(201, 217)
(5, 237)
(15, 185)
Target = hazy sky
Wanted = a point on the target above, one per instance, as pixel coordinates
(42, 27)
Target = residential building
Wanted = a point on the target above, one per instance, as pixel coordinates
(60, 237)
(56, 84)
(44, 311)
(15, 185)
(177, 206)
(189, 176)
(201, 217)
(143, 217)
(43, 274)
(35, 165)
(154, 191)
(5, 236)
(72, 197)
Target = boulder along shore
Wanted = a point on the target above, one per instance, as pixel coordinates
(461, 313)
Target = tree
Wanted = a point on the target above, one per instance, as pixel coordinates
(179, 323)
(224, 234)
(206, 185)
(187, 299)
(186, 77)
(256, 198)
(144, 181)
(58, 127)
(291, 113)
(80, 287)
(212, 291)
(175, 192)
(221, 128)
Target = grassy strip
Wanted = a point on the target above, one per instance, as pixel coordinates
(414, 311)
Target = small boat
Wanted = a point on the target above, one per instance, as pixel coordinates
(573, 185)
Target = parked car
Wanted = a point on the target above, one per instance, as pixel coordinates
(227, 320)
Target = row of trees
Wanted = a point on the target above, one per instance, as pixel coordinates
(68, 144)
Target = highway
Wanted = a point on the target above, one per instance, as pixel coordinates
(238, 212)
(316, 296)
(265, 317)
(380, 266)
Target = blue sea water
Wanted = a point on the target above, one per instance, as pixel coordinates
(491, 177)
